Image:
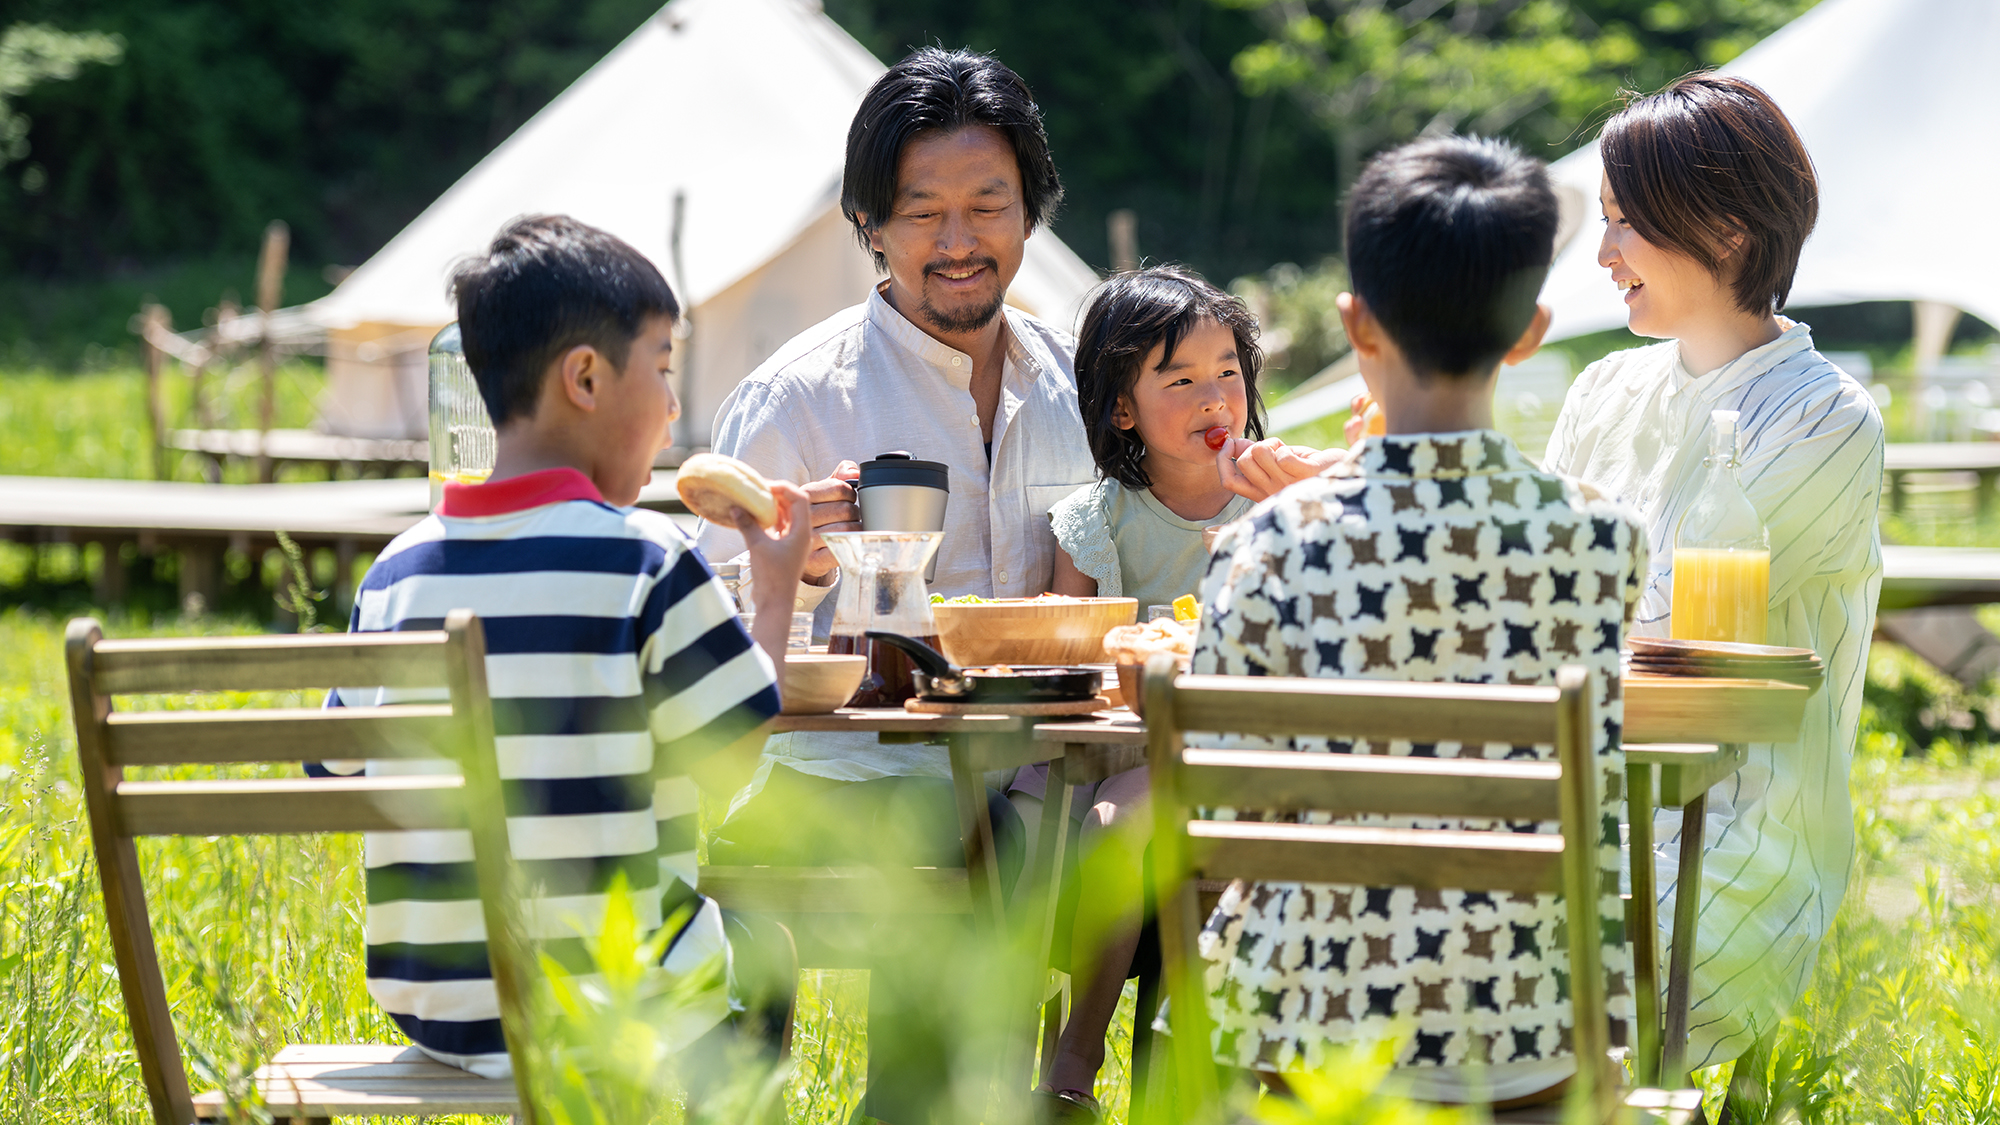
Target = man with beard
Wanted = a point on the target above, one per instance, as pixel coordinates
(948, 173)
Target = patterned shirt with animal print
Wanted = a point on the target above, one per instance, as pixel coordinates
(1435, 557)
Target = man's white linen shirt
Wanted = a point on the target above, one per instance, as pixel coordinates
(866, 381)
(1779, 835)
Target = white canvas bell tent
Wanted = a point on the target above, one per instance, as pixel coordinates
(731, 114)
(1897, 103)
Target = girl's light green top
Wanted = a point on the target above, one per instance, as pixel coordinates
(1133, 545)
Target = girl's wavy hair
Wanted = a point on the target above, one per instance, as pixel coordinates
(1133, 312)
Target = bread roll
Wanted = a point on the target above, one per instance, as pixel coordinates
(712, 486)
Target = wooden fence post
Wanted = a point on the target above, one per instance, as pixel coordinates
(270, 289)
(155, 319)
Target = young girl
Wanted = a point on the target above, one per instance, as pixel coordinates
(1708, 195)
(1166, 374)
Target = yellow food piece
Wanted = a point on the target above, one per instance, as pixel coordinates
(1186, 608)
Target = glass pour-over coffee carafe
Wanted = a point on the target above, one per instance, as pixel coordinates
(882, 588)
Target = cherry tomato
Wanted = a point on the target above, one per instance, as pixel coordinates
(1216, 436)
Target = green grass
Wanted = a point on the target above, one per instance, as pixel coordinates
(94, 424)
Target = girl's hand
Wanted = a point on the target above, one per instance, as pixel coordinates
(1364, 418)
(1259, 469)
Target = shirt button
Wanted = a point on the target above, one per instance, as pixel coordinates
(1003, 576)
(955, 361)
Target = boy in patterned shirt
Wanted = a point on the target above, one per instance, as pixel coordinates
(1434, 553)
(621, 677)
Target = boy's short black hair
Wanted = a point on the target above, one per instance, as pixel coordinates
(933, 89)
(1449, 241)
(1133, 312)
(1706, 160)
(546, 285)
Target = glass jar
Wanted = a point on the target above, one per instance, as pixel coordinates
(462, 444)
(1722, 552)
(882, 588)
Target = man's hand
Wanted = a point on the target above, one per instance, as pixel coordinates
(1258, 469)
(833, 509)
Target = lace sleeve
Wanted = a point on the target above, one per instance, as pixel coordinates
(1083, 531)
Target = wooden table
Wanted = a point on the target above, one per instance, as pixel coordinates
(1682, 736)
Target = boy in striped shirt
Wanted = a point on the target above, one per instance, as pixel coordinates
(621, 678)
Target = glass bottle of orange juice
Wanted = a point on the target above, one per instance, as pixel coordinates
(1722, 552)
(461, 431)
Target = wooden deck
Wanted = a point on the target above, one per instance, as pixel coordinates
(200, 521)
(371, 456)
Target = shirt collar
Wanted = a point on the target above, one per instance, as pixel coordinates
(1793, 337)
(1425, 456)
(954, 365)
(517, 494)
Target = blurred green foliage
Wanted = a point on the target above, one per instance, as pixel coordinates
(1302, 332)
(1543, 72)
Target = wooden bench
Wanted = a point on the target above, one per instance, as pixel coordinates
(1566, 790)
(306, 1082)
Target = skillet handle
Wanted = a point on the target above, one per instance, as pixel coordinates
(927, 659)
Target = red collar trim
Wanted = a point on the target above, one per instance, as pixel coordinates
(515, 494)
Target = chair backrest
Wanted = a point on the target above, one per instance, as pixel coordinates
(109, 741)
(1185, 850)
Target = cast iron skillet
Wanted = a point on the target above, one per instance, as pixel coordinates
(937, 681)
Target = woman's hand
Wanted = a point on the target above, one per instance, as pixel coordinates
(1259, 469)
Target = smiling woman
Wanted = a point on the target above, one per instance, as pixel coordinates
(1708, 196)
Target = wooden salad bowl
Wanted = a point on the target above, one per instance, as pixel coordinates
(1030, 630)
(816, 682)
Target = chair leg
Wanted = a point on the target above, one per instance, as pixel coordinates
(1645, 930)
(1680, 962)
(1143, 1044)
(1052, 1026)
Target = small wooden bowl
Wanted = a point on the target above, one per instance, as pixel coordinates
(816, 682)
(1031, 630)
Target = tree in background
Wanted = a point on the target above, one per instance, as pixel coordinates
(34, 53)
(1375, 73)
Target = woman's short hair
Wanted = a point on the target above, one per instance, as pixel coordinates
(933, 89)
(1706, 160)
(1133, 312)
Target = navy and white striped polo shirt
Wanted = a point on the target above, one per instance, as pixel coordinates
(614, 659)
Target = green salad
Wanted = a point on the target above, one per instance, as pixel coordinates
(962, 599)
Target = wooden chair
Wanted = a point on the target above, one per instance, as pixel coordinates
(1565, 789)
(302, 1083)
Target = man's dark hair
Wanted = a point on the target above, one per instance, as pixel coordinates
(935, 90)
(1132, 313)
(1448, 241)
(546, 285)
(1706, 160)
